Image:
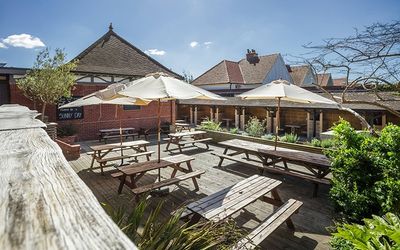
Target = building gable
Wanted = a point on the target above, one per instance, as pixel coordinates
(113, 55)
(277, 71)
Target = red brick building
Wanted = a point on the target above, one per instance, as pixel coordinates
(109, 60)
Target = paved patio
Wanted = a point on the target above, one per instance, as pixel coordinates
(311, 222)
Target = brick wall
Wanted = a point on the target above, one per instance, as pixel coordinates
(101, 117)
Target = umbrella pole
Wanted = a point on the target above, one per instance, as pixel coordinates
(159, 136)
(277, 121)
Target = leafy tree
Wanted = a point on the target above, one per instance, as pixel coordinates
(49, 79)
(187, 76)
(366, 172)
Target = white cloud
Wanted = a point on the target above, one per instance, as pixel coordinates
(194, 44)
(23, 40)
(155, 52)
(2, 46)
(207, 44)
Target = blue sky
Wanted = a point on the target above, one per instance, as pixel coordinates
(222, 29)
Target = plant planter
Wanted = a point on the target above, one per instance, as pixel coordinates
(218, 136)
(71, 152)
(68, 139)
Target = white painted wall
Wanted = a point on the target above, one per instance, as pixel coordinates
(278, 71)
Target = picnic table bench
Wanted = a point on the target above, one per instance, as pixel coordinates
(180, 126)
(316, 166)
(137, 170)
(192, 138)
(105, 134)
(221, 205)
(100, 152)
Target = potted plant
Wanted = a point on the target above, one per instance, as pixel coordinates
(67, 133)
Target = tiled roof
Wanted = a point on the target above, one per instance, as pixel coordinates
(215, 75)
(324, 79)
(340, 82)
(111, 54)
(360, 96)
(234, 72)
(241, 72)
(256, 73)
(298, 73)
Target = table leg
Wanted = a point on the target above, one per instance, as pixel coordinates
(145, 150)
(277, 198)
(121, 184)
(93, 158)
(196, 185)
(169, 143)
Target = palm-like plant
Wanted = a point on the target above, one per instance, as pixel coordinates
(152, 233)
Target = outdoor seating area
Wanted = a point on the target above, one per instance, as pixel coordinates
(204, 126)
(259, 202)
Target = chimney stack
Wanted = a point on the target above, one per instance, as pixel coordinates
(252, 57)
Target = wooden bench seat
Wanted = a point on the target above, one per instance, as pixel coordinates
(126, 135)
(121, 157)
(175, 159)
(236, 159)
(113, 150)
(167, 182)
(269, 225)
(194, 141)
(309, 177)
(104, 161)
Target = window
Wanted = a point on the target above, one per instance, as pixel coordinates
(131, 107)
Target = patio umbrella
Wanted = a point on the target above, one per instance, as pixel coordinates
(284, 90)
(161, 87)
(108, 95)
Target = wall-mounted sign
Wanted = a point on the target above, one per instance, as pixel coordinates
(69, 113)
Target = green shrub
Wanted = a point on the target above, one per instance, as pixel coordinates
(211, 125)
(268, 137)
(292, 138)
(152, 230)
(66, 130)
(255, 127)
(234, 131)
(329, 143)
(376, 233)
(315, 142)
(366, 172)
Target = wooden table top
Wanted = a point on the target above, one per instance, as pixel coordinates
(119, 145)
(189, 133)
(182, 124)
(114, 130)
(249, 146)
(308, 158)
(228, 201)
(141, 167)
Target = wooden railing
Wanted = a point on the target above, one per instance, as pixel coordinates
(43, 202)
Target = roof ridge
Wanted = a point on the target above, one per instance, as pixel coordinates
(213, 67)
(108, 34)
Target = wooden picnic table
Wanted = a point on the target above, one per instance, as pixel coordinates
(316, 166)
(292, 127)
(228, 201)
(180, 126)
(137, 170)
(227, 122)
(101, 151)
(190, 137)
(105, 134)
